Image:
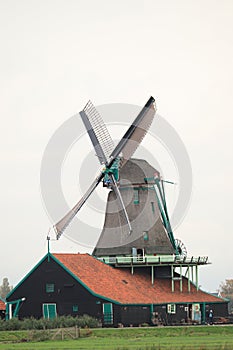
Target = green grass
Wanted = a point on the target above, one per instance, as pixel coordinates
(170, 338)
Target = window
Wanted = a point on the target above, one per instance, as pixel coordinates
(145, 236)
(171, 308)
(75, 308)
(49, 287)
(140, 252)
(136, 196)
(153, 207)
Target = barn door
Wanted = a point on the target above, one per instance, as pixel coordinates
(108, 313)
(49, 311)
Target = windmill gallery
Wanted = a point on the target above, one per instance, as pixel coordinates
(138, 272)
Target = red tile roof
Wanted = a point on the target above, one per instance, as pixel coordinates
(123, 287)
(2, 305)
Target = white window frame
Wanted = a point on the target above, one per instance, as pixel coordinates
(171, 308)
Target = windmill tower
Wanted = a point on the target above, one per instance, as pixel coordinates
(149, 234)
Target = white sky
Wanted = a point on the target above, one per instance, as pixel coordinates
(55, 55)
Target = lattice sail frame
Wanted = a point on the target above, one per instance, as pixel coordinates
(98, 132)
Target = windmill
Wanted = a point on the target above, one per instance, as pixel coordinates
(132, 225)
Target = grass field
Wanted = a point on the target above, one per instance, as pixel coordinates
(172, 338)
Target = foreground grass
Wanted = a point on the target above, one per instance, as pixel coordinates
(172, 338)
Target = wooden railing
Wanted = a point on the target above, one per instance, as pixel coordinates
(155, 260)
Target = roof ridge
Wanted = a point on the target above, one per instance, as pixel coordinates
(70, 253)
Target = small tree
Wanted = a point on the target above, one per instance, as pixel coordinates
(226, 290)
(5, 288)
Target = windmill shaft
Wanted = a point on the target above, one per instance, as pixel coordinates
(165, 214)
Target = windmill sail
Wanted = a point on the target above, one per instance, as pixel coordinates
(106, 152)
(99, 135)
(137, 136)
(136, 132)
(65, 221)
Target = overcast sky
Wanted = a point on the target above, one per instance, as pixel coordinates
(56, 55)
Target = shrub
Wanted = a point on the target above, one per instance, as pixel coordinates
(31, 323)
(87, 321)
(12, 325)
(2, 325)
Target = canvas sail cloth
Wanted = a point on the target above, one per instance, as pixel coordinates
(148, 231)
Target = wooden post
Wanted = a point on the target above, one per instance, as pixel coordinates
(181, 286)
(188, 280)
(172, 279)
(152, 275)
(76, 332)
(197, 277)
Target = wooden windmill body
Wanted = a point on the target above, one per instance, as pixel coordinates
(148, 234)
